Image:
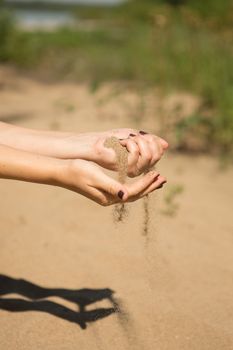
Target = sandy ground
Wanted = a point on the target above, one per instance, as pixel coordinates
(175, 292)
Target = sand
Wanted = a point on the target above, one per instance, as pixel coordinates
(181, 299)
(120, 210)
(121, 157)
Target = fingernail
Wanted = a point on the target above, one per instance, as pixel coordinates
(120, 194)
(143, 132)
(160, 186)
(132, 135)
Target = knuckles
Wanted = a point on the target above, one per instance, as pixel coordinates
(133, 172)
(151, 138)
(149, 157)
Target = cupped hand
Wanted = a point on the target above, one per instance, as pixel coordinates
(88, 179)
(144, 150)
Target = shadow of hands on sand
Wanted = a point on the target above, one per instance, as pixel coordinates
(36, 295)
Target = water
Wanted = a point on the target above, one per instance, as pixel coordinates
(33, 18)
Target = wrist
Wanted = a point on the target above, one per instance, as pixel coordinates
(60, 174)
(80, 146)
(25, 166)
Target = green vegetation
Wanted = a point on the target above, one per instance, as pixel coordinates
(170, 199)
(173, 44)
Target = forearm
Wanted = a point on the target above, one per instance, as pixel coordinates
(64, 145)
(25, 166)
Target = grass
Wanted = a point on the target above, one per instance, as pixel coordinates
(188, 47)
(170, 199)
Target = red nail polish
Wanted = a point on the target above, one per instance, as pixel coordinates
(143, 132)
(120, 194)
(160, 186)
(132, 135)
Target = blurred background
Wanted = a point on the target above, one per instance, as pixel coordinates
(181, 48)
(163, 66)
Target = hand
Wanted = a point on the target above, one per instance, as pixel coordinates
(145, 150)
(80, 176)
(88, 179)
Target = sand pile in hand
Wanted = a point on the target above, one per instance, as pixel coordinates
(121, 157)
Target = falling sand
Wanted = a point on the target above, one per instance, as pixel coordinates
(146, 207)
(119, 215)
(120, 211)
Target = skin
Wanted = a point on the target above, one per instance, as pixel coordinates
(67, 160)
(144, 150)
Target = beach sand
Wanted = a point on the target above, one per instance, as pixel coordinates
(175, 293)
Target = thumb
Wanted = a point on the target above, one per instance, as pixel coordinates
(114, 188)
(164, 143)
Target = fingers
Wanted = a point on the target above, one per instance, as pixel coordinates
(97, 196)
(164, 143)
(151, 149)
(157, 184)
(155, 148)
(113, 190)
(89, 180)
(141, 185)
(118, 193)
(108, 191)
(146, 153)
(133, 155)
(146, 185)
